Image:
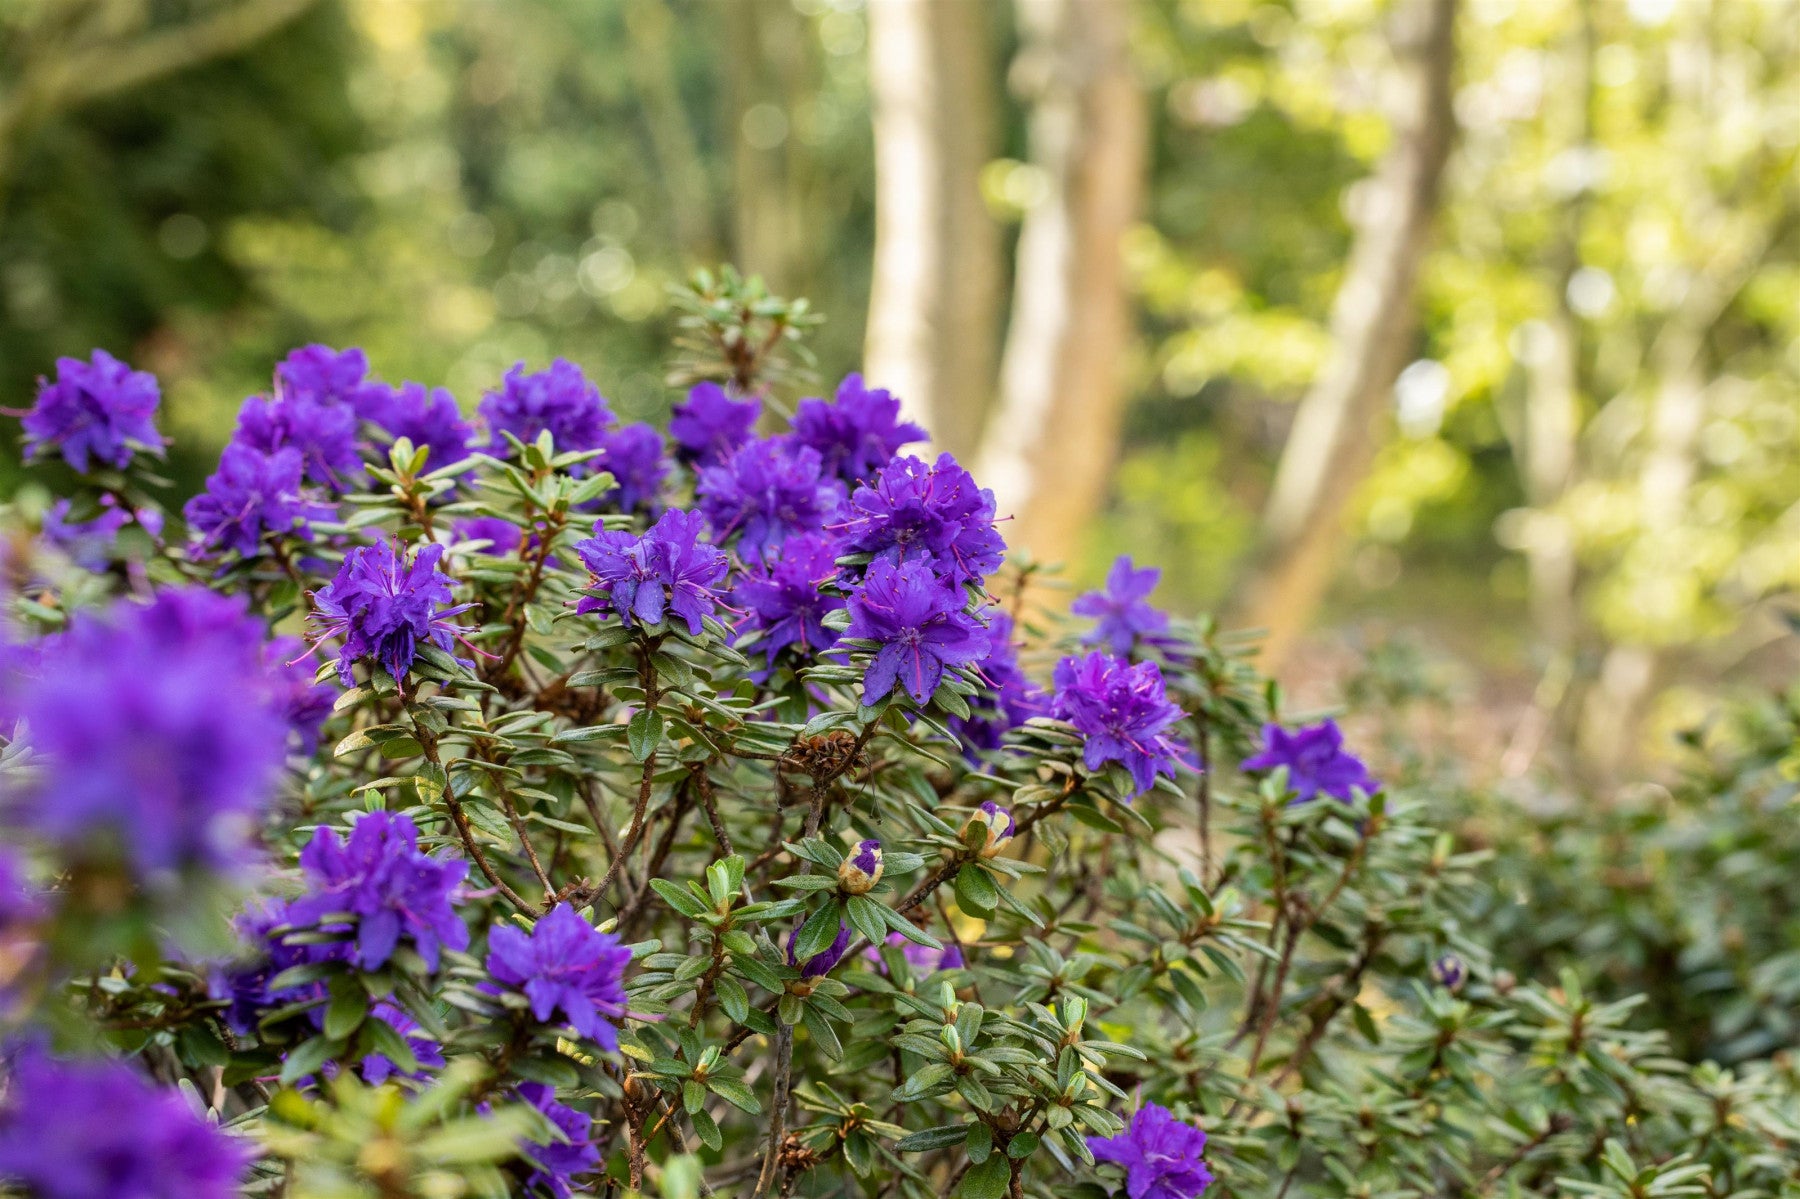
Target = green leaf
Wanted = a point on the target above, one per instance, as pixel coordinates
(349, 1007)
(707, 1129)
(975, 891)
(735, 1093)
(988, 1180)
(679, 898)
(866, 918)
(307, 1057)
(644, 733)
(819, 931)
(979, 1143)
(932, 1138)
(732, 997)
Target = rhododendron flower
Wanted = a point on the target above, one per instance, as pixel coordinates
(920, 625)
(1123, 711)
(385, 604)
(502, 535)
(1010, 697)
(87, 543)
(913, 511)
(253, 494)
(826, 959)
(559, 399)
(1160, 1155)
(766, 492)
(558, 1162)
(564, 964)
(379, 876)
(709, 425)
(784, 598)
(322, 431)
(99, 410)
(334, 377)
(100, 1130)
(1316, 761)
(1122, 612)
(303, 700)
(428, 417)
(858, 873)
(633, 455)
(160, 732)
(668, 569)
(858, 433)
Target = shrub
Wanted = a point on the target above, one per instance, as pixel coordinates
(731, 821)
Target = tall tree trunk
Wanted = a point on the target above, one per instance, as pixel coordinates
(1333, 441)
(934, 299)
(683, 170)
(1049, 444)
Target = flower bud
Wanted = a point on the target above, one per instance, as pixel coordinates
(994, 823)
(1449, 972)
(858, 873)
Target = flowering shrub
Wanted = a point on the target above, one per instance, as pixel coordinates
(722, 816)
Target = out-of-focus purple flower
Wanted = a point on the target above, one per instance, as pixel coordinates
(784, 598)
(922, 959)
(1159, 1154)
(243, 984)
(667, 569)
(559, 398)
(503, 534)
(633, 455)
(859, 433)
(918, 621)
(160, 733)
(1316, 761)
(558, 1162)
(709, 425)
(1122, 612)
(766, 492)
(1011, 698)
(428, 417)
(323, 431)
(99, 1130)
(913, 511)
(98, 410)
(251, 494)
(858, 873)
(1449, 972)
(305, 702)
(87, 543)
(385, 604)
(377, 1068)
(391, 889)
(332, 377)
(996, 825)
(1125, 714)
(564, 964)
(20, 902)
(826, 959)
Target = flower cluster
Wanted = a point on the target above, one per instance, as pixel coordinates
(918, 623)
(160, 731)
(1123, 615)
(1159, 1154)
(252, 495)
(765, 492)
(429, 418)
(1124, 713)
(633, 455)
(1315, 760)
(913, 512)
(785, 600)
(559, 400)
(321, 432)
(668, 569)
(1011, 696)
(332, 377)
(564, 964)
(559, 1162)
(856, 435)
(385, 603)
(379, 877)
(709, 425)
(97, 411)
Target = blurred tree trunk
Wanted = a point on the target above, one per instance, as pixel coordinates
(766, 58)
(648, 23)
(1049, 444)
(934, 299)
(1333, 441)
(73, 53)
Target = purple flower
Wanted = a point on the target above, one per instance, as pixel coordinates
(243, 984)
(1160, 1155)
(1449, 972)
(784, 598)
(1316, 761)
(377, 1068)
(427, 417)
(633, 455)
(766, 492)
(306, 703)
(919, 623)
(996, 824)
(323, 431)
(912, 511)
(564, 963)
(1011, 697)
(858, 873)
(1123, 711)
(559, 399)
(160, 732)
(922, 959)
(858, 434)
(502, 533)
(668, 568)
(99, 409)
(385, 604)
(826, 959)
(99, 1130)
(380, 877)
(20, 902)
(558, 1162)
(331, 377)
(1123, 615)
(87, 543)
(709, 424)
(251, 494)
